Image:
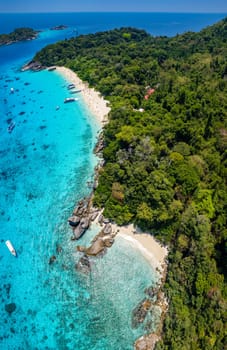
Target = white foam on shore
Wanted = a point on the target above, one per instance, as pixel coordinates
(92, 98)
(151, 249)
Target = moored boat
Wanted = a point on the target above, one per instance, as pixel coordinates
(75, 91)
(11, 248)
(71, 86)
(70, 99)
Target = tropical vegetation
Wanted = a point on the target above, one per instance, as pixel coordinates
(19, 34)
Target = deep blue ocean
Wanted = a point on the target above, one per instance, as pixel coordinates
(45, 165)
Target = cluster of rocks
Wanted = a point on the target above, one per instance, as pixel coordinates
(82, 217)
(32, 65)
(99, 145)
(154, 298)
(103, 240)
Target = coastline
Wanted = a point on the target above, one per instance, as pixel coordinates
(144, 242)
(92, 98)
(152, 251)
(149, 247)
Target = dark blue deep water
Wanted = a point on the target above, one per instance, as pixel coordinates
(155, 23)
(45, 164)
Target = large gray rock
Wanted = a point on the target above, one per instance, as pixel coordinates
(94, 215)
(107, 229)
(85, 222)
(78, 232)
(74, 220)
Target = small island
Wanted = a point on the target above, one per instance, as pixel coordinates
(60, 27)
(19, 34)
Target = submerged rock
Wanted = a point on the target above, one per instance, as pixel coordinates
(10, 308)
(52, 259)
(84, 265)
(140, 312)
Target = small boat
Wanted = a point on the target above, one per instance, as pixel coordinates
(71, 86)
(75, 91)
(12, 90)
(70, 99)
(11, 126)
(11, 248)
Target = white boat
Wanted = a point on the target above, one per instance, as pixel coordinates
(70, 99)
(10, 247)
(70, 86)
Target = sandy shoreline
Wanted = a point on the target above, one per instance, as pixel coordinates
(152, 250)
(92, 98)
(144, 242)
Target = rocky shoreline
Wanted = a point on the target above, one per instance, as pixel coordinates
(84, 215)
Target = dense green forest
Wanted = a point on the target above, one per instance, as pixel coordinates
(19, 34)
(166, 160)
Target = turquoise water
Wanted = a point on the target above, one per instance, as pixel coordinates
(45, 164)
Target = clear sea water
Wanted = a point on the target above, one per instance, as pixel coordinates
(45, 164)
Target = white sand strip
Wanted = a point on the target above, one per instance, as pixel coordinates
(153, 251)
(92, 98)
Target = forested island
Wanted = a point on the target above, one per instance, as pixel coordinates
(165, 151)
(19, 34)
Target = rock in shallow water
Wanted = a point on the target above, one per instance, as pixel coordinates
(10, 308)
(147, 342)
(84, 265)
(140, 312)
(96, 248)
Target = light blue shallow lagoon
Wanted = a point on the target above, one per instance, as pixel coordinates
(46, 162)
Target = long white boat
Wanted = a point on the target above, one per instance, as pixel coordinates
(11, 247)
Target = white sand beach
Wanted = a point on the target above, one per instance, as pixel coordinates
(152, 250)
(146, 243)
(92, 98)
